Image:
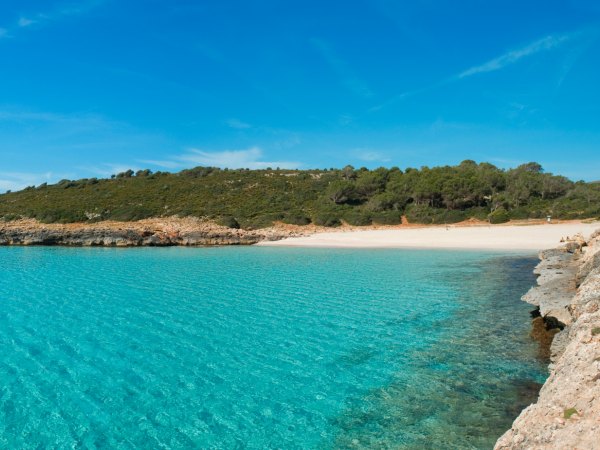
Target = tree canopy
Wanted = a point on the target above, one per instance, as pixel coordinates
(256, 198)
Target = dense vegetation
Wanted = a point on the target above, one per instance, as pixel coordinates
(255, 198)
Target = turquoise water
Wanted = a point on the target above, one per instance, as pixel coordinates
(248, 347)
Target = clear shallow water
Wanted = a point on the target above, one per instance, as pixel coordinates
(262, 348)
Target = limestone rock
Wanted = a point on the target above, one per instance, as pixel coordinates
(567, 413)
(150, 232)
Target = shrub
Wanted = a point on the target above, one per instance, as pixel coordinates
(11, 217)
(296, 219)
(419, 214)
(130, 213)
(257, 222)
(357, 217)
(228, 221)
(519, 214)
(451, 216)
(60, 216)
(499, 216)
(387, 218)
(326, 219)
(426, 214)
(480, 213)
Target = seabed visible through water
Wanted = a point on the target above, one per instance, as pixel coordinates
(263, 347)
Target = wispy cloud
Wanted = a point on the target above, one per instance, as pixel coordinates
(407, 94)
(14, 181)
(60, 11)
(237, 124)
(69, 142)
(513, 56)
(251, 158)
(163, 163)
(349, 79)
(284, 143)
(278, 138)
(500, 62)
(27, 116)
(575, 53)
(369, 155)
(25, 22)
(108, 169)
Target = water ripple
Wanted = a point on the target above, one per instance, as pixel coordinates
(261, 348)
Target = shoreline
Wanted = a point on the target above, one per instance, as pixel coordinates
(567, 295)
(156, 232)
(530, 235)
(511, 237)
(567, 301)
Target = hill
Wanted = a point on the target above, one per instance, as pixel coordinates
(254, 199)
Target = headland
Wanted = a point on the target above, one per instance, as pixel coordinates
(159, 232)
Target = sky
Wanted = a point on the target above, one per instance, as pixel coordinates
(94, 87)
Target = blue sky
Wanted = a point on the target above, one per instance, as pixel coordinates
(93, 87)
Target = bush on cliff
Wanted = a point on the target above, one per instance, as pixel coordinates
(297, 218)
(260, 221)
(228, 221)
(11, 217)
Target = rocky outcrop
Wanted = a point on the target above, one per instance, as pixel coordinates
(556, 285)
(150, 232)
(567, 413)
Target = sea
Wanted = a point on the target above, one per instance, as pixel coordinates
(263, 347)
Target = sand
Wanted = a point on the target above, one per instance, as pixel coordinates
(492, 237)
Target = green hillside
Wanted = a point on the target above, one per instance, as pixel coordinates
(256, 198)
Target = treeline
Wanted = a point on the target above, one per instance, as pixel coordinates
(256, 198)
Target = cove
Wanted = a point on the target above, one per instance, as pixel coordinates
(248, 347)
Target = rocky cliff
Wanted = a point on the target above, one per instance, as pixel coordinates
(150, 232)
(567, 413)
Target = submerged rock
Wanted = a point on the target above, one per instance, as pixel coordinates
(544, 335)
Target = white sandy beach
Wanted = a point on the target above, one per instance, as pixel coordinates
(494, 237)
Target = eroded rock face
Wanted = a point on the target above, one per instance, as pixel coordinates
(150, 232)
(567, 413)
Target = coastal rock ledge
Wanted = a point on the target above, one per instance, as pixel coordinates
(567, 413)
(150, 232)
